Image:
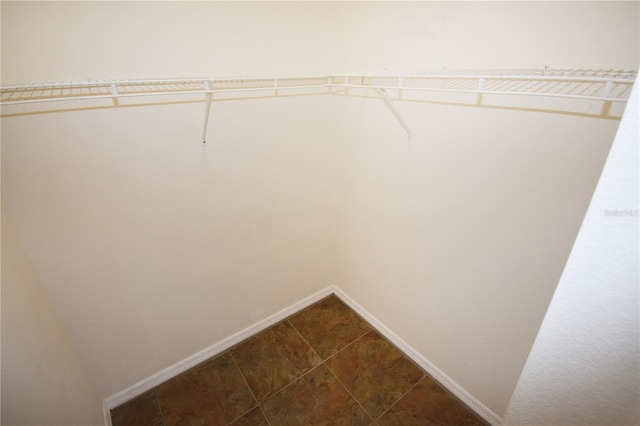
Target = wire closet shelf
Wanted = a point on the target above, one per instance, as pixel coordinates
(602, 85)
(592, 85)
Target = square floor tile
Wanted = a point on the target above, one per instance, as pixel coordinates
(329, 325)
(428, 404)
(273, 359)
(213, 393)
(375, 372)
(316, 398)
(141, 411)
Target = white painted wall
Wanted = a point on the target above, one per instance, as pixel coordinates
(150, 246)
(43, 379)
(584, 368)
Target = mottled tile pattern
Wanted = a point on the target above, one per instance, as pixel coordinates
(315, 399)
(252, 418)
(375, 373)
(141, 411)
(322, 366)
(429, 404)
(273, 359)
(329, 326)
(213, 393)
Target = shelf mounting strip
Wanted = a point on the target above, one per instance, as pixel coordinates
(595, 85)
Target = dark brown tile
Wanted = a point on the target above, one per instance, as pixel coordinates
(143, 411)
(428, 404)
(329, 326)
(316, 398)
(273, 359)
(213, 393)
(375, 373)
(252, 418)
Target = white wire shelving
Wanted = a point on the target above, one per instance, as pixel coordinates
(591, 85)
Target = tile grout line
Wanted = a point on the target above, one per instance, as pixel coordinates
(352, 342)
(264, 415)
(349, 392)
(405, 356)
(324, 362)
(259, 404)
(305, 341)
(401, 396)
(155, 393)
(373, 329)
(244, 379)
(292, 382)
(348, 308)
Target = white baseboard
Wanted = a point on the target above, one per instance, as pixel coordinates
(457, 390)
(106, 412)
(213, 350)
(217, 348)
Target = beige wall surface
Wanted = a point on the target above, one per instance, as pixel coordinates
(584, 368)
(456, 238)
(153, 247)
(490, 35)
(43, 379)
(76, 41)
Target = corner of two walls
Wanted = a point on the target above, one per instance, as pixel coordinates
(457, 238)
(43, 379)
(454, 239)
(150, 246)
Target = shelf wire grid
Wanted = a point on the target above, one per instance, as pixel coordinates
(605, 85)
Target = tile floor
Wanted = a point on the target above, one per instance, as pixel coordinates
(321, 366)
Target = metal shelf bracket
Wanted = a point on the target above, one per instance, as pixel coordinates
(387, 99)
(207, 109)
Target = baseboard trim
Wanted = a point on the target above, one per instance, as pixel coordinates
(213, 350)
(449, 384)
(217, 348)
(106, 412)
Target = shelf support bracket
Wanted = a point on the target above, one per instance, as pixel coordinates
(207, 109)
(606, 105)
(114, 93)
(387, 99)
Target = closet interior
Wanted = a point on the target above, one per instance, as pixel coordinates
(178, 177)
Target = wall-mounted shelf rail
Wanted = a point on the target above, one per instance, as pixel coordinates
(600, 85)
(88, 90)
(593, 85)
